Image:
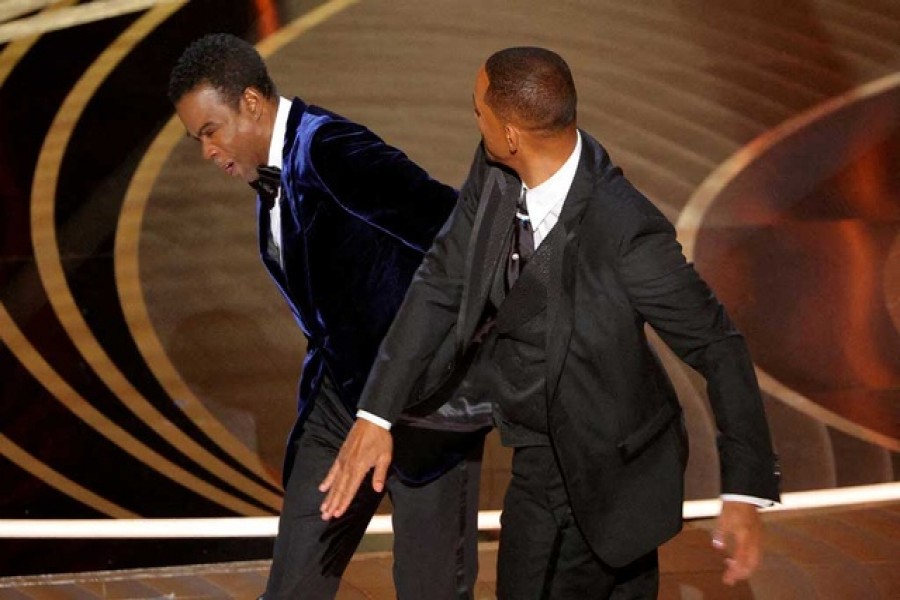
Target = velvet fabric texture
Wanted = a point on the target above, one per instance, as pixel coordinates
(357, 216)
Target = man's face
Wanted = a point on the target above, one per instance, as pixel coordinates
(230, 138)
(493, 133)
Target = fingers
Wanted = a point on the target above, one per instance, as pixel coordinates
(746, 556)
(329, 479)
(718, 540)
(366, 446)
(381, 472)
(739, 536)
(342, 490)
(743, 561)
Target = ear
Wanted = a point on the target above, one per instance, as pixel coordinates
(252, 101)
(512, 137)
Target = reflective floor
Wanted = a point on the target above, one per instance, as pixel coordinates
(148, 367)
(828, 555)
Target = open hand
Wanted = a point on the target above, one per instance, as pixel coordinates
(366, 446)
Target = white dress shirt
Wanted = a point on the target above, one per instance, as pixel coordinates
(545, 201)
(276, 153)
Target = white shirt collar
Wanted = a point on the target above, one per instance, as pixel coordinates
(276, 146)
(550, 195)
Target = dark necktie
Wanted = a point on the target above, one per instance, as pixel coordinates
(267, 185)
(522, 246)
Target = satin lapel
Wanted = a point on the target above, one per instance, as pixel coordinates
(490, 238)
(563, 269)
(264, 223)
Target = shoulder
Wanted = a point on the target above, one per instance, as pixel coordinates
(619, 197)
(319, 128)
(617, 206)
(483, 171)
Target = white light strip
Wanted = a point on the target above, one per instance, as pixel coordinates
(249, 527)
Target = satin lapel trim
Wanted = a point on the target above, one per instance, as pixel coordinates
(563, 272)
(490, 235)
(275, 271)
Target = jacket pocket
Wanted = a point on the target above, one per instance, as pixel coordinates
(637, 440)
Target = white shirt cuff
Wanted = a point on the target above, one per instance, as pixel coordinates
(760, 502)
(383, 423)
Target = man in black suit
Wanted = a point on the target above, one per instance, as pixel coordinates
(553, 263)
(344, 220)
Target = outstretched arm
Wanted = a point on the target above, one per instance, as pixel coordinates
(426, 317)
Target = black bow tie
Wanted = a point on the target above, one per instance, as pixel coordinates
(268, 184)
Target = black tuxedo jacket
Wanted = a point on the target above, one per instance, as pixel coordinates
(357, 216)
(614, 419)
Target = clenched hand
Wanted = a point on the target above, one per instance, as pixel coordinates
(739, 535)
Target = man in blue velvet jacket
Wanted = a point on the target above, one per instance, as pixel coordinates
(343, 225)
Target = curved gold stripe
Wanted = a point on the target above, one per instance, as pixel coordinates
(301, 25)
(9, 58)
(49, 265)
(135, 310)
(76, 15)
(698, 205)
(14, 51)
(55, 479)
(22, 349)
(13, 9)
(127, 263)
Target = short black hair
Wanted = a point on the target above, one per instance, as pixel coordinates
(533, 86)
(224, 61)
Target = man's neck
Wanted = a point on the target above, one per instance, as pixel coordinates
(267, 127)
(545, 155)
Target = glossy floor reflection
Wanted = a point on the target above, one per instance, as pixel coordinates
(822, 555)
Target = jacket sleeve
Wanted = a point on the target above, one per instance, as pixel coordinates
(379, 183)
(430, 310)
(670, 295)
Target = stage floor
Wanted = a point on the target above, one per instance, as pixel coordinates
(826, 554)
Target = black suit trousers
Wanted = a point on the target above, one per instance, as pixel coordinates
(435, 525)
(543, 553)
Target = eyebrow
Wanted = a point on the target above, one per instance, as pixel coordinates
(199, 131)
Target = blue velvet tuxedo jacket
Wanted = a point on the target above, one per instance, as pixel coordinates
(357, 216)
(613, 416)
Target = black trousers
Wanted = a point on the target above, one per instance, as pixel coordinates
(435, 525)
(543, 554)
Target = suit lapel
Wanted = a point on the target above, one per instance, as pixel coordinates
(490, 237)
(562, 269)
(277, 271)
